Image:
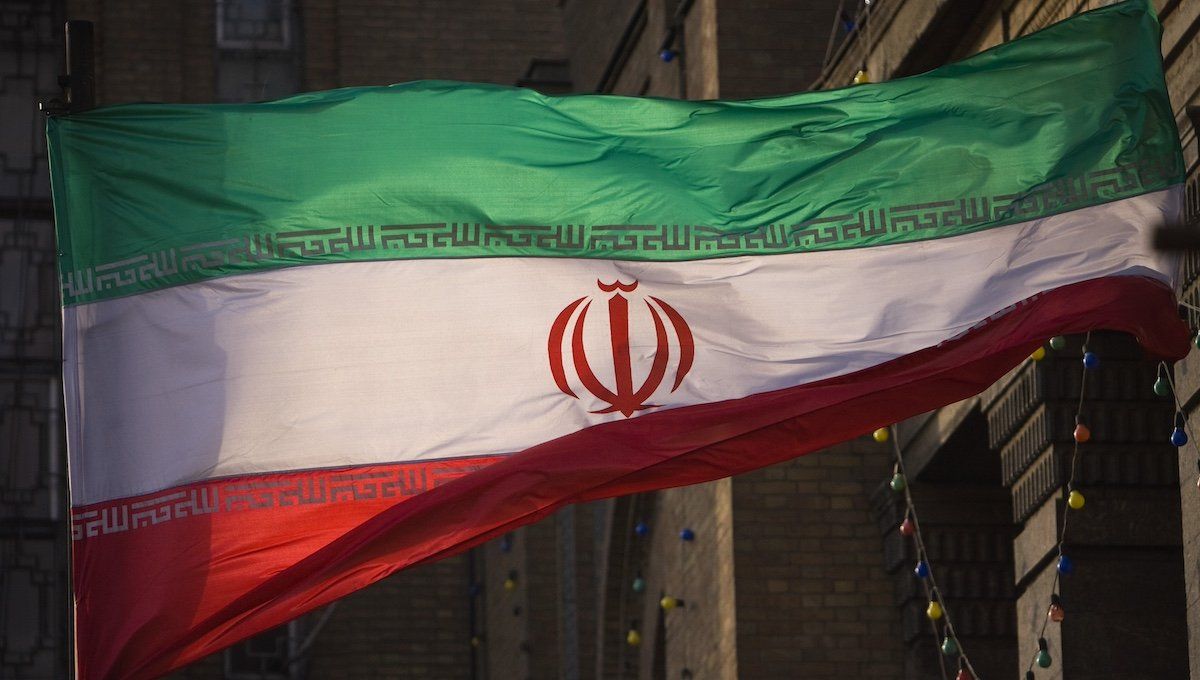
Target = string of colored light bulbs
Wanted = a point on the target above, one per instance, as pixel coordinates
(667, 602)
(1075, 501)
(911, 528)
(1164, 385)
(863, 77)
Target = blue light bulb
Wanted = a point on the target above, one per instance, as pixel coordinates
(922, 569)
(1065, 565)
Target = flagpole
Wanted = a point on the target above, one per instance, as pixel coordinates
(78, 95)
(81, 66)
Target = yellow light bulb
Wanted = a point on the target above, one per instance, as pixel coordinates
(634, 638)
(1038, 354)
(881, 435)
(1075, 500)
(668, 603)
(861, 78)
(934, 611)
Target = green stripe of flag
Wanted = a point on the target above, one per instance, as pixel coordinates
(154, 195)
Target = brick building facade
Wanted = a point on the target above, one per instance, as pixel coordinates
(793, 571)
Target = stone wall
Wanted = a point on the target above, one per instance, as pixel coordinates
(700, 636)
(771, 47)
(148, 50)
(410, 625)
(616, 47)
(373, 42)
(813, 598)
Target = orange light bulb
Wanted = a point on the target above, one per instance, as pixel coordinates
(1082, 433)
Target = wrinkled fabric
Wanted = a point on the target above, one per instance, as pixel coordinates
(152, 195)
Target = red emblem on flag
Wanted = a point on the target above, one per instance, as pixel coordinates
(624, 397)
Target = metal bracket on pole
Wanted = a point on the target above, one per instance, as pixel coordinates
(79, 84)
(1177, 238)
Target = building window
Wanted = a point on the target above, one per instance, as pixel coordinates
(267, 656)
(254, 24)
(258, 50)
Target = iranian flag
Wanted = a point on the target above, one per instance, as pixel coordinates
(312, 342)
